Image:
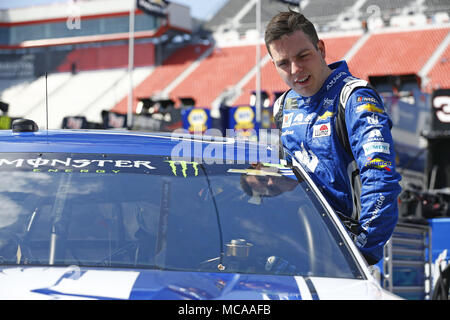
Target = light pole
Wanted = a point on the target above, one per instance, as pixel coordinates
(258, 62)
(130, 65)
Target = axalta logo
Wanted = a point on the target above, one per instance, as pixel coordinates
(321, 130)
(184, 166)
(300, 119)
(369, 107)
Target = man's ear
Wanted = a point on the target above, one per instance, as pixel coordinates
(321, 48)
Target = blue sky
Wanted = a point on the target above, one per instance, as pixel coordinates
(199, 8)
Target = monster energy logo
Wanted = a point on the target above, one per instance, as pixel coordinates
(184, 166)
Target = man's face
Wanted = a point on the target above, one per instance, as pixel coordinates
(301, 65)
(271, 186)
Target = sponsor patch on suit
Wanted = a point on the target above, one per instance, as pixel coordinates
(321, 130)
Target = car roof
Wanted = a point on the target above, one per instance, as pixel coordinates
(135, 142)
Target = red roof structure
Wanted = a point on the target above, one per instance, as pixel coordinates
(396, 53)
(222, 69)
(163, 75)
(439, 75)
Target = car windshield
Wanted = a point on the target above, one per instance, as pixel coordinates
(145, 211)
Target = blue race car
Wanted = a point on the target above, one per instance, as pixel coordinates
(133, 215)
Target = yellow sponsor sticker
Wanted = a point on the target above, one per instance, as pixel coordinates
(326, 115)
(369, 107)
(379, 163)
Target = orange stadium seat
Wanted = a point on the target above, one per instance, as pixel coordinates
(396, 53)
(222, 69)
(163, 75)
(439, 73)
(108, 57)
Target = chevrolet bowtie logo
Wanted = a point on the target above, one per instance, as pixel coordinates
(326, 115)
(369, 107)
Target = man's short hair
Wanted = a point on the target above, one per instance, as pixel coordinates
(286, 23)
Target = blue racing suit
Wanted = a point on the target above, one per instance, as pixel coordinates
(363, 184)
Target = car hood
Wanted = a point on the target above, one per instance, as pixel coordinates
(88, 283)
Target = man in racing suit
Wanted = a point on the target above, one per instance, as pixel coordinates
(359, 182)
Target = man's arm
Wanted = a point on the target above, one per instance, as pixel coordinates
(368, 127)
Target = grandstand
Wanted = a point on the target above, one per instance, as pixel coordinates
(438, 75)
(222, 69)
(107, 57)
(165, 74)
(88, 68)
(393, 52)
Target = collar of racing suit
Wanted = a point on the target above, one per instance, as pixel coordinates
(339, 71)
